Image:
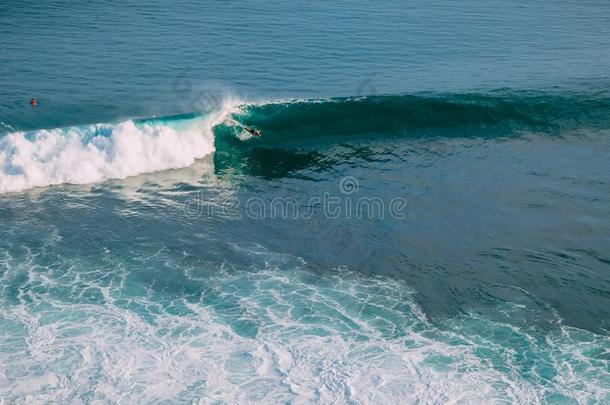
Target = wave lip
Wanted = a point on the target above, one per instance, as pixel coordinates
(486, 115)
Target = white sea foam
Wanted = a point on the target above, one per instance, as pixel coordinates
(332, 338)
(88, 154)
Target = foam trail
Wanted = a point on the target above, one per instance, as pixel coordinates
(87, 154)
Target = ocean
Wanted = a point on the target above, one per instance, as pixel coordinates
(424, 219)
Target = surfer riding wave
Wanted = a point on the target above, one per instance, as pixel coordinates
(254, 131)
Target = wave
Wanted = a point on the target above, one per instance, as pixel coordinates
(297, 134)
(93, 153)
(428, 114)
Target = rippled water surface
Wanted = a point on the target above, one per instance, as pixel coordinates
(425, 218)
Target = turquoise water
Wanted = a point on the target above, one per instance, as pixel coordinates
(424, 220)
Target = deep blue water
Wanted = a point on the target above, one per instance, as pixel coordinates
(425, 218)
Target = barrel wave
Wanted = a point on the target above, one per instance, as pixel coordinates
(298, 133)
(486, 115)
(114, 151)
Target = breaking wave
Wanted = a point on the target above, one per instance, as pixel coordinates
(93, 153)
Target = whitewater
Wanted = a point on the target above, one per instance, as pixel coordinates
(93, 153)
(282, 333)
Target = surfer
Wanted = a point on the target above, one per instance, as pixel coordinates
(254, 132)
(33, 102)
